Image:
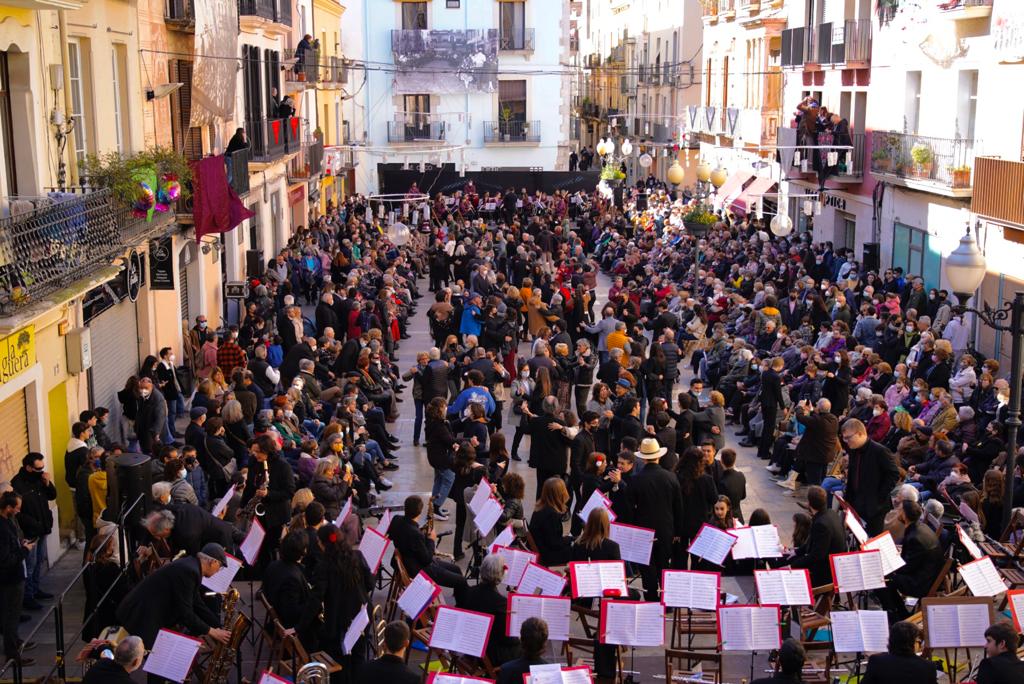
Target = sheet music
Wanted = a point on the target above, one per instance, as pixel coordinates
(250, 547)
(957, 625)
(489, 513)
(546, 674)
(480, 496)
(355, 630)
(968, 543)
(372, 546)
(712, 544)
(505, 538)
(596, 500)
(222, 580)
(631, 623)
(853, 524)
(345, 510)
(982, 578)
(634, 542)
(759, 541)
(577, 675)
(418, 595)
(385, 522)
(891, 558)
(555, 611)
(270, 678)
(516, 561)
(538, 580)
(858, 571)
(591, 579)
(172, 655)
(860, 631)
(690, 589)
(461, 631)
(451, 678)
(783, 587)
(222, 505)
(1016, 601)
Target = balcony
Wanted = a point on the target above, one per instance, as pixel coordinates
(965, 9)
(511, 132)
(617, 55)
(416, 128)
(271, 139)
(997, 195)
(275, 11)
(750, 6)
(238, 171)
(847, 44)
(334, 72)
(938, 165)
(516, 40)
(308, 163)
(180, 15)
(306, 73)
(726, 9)
(574, 41)
(49, 243)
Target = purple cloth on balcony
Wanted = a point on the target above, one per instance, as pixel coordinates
(216, 207)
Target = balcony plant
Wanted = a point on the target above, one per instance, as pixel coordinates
(881, 160)
(961, 176)
(921, 154)
(122, 173)
(506, 121)
(699, 219)
(610, 172)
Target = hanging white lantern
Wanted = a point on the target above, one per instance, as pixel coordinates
(808, 208)
(805, 166)
(781, 225)
(627, 147)
(817, 207)
(796, 158)
(833, 158)
(645, 161)
(759, 208)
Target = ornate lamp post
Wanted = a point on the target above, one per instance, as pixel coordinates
(708, 180)
(965, 269)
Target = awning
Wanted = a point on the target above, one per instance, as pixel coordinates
(748, 198)
(732, 188)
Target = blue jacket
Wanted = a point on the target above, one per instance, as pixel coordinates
(472, 395)
(471, 323)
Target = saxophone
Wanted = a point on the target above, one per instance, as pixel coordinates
(428, 529)
(254, 508)
(225, 654)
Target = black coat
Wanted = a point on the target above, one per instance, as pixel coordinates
(326, 317)
(416, 550)
(439, 444)
(582, 447)
(290, 365)
(548, 448)
(884, 668)
(607, 550)
(486, 599)
(287, 591)
(1005, 668)
(820, 440)
(195, 527)
(771, 390)
(827, 536)
(168, 597)
(871, 475)
(340, 604)
(923, 556)
(733, 484)
(12, 553)
(106, 672)
(546, 527)
(658, 504)
(35, 518)
(435, 380)
(512, 672)
(388, 668)
(278, 501)
(697, 506)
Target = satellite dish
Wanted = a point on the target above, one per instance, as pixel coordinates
(162, 90)
(781, 225)
(645, 160)
(398, 234)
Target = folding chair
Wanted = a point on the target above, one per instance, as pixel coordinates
(999, 551)
(818, 665)
(674, 659)
(817, 616)
(690, 623)
(294, 654)
(399, 581)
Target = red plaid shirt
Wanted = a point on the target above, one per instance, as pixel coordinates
(229, 357)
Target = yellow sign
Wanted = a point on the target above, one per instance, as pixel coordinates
(17, 353)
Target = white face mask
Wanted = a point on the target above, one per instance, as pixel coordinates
(877, 412)
(171, 359)
(145, 393)
(525, 375)
(181, 474)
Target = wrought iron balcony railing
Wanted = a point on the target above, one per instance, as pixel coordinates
(180, 15)
(307, 69)
(47, 243)
(511, 131)
(270, 139)
(516, 39)
(416, 128)
(238, 171)
(944, 163)
(309, 162)
(279, 11)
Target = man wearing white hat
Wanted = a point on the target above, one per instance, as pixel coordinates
(658, 505)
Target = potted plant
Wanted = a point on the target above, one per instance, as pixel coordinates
(880, 160)
(613, 174)
(921, 154)
(961, 176)
(699, 219)
(506, 120)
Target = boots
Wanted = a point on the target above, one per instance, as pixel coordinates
(790, 481)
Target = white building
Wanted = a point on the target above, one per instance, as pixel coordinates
(428, 92)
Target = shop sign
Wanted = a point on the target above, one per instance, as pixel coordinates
(836, 202)
(17, 353)
(161, 264)
(133, 275)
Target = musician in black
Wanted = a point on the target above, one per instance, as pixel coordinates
(285, 586)
(391, 667)
(271, 481)
(416, 549)
(170, 597)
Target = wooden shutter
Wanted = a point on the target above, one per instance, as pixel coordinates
(13, 434)
(187, 140)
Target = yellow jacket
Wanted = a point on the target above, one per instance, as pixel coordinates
(617, 339)
(98, 493)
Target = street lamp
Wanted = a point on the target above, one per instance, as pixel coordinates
(965, 269)
(708, 180)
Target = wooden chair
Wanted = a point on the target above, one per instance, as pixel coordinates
(819, 663)
(999, 551)
(590, 620)
(399, 581)
(674, 659)
(817, 616)
(941, 583)
(690, 624)
(293, 654)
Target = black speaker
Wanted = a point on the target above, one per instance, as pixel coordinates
(134, 479)
(641, 201)
(871, 258)
(254, 265)
(617, 193)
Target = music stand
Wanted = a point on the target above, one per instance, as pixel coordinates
(929, 601)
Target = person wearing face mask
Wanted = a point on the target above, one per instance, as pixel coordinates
(939, 370)
(181, 491)
(151, 420)
(167, 383)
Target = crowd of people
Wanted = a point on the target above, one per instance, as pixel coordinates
(857, 390)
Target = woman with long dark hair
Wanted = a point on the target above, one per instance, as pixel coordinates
(468, 473)
(441, 446)
(699, 493)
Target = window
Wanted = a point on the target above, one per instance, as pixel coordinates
(912, 108)
(912, 250)
(118, 66)
(7, 127)
(414, 16)
(512, 27)
(846, 230)
(417, 117)
(967, 104)
(254, 229)
(452, 4)
(76, 81)
(512, 100)
(186, 139)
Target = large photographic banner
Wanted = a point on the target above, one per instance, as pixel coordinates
(446, 62)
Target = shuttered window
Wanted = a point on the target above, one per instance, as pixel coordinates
(512, 96)
(187, 140)
(13, 434)
(183, 284)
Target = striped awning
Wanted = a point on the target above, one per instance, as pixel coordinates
(732, 188)
(743, 204)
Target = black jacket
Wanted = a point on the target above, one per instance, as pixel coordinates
(884, 668)
(820, 440)
(771, 390)
(582, 447)
(439, 444)
(278, 501)
(35, 518)
(435, 380)
(608, 550)
(168, 597)
(658, 504)
(388, 668)
(106, 672)
(290, 365)
(195, 527)
(1005, 668)
(12, 553)
(733, 484)
(416, 550)
(512, 672)
(287, 591)
(326, 317)
(697, 506)
(923, 556)
(871, 475)
(548, 450)
(827, 536)
(547, 531)
(484, 598)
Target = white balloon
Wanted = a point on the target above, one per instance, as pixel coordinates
(398, 234)
(781, 225)
(645, 160)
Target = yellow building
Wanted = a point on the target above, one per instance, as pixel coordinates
(333, 75)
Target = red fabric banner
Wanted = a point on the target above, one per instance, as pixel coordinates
(294, 121)
(275, 128)
(216, 207)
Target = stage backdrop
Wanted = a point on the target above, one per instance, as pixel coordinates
(448, 181)
(445, 62)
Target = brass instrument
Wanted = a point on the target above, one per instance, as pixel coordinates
(312, 673)
(222, 660)
(254, 508)
(428, 529)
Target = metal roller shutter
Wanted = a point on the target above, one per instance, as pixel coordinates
(13, 434)
(183, 285)
(115, 355)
